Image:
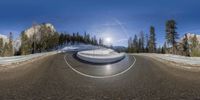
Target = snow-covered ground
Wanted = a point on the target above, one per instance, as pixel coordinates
(79, 47)
(100, 52)
(17, 59)
(100, 55)
(179, 59)
(182, 60)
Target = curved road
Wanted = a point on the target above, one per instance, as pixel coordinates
(51, 78)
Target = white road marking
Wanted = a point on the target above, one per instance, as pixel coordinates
(91, 76)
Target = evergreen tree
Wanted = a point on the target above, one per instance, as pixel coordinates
(194, 42)
(25, 44)
(152, 40)
(135, 44)
(6, 51)
(130, 45)
(73, 38)
(186, 46)
(33, 46)
(10, 45)
(141, 41)
(171, 34)
(147, 43)
(195, 47)
(159, 50)
(1, 46)
(164, 48)
(78, 39)
(100, 42)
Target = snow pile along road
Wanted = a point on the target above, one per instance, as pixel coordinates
(80, 47)
(179, 59)
(100, 56)
(17, 59)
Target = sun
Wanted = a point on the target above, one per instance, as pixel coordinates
(108, 40)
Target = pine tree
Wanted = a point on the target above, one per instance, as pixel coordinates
(33, 43)
(171, 34)
(100, 42)
(130, 45)
(152, 40)
(10, 45)
(164, 48)
(6, 49)
(25, 44)
(194, 42)
(195, 49)
(141, 42)
(135, 44)
(147, 43)
(1, 46)
(186, 46)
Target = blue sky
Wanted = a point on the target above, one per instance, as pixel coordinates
(117, 19)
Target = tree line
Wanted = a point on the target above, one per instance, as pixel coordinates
(143, 43)
(54, 41)
(140, 43)
(6, 49)
(187, 46)
(47, 41)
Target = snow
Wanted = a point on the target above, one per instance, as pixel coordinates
(79, 47)
(180, 59)
(100, 55)
(98, 52)
(183, 60)
(17, 59)
(94, 54)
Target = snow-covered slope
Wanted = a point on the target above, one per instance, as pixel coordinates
(182, 60)
(100, 56)
(18, 59)
(79, 47)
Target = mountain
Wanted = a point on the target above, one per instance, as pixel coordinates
(36, 29)
(119, 48)
(190, 36)
(5, 38)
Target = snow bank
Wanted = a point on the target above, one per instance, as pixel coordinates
(80, 47)
(17, 59)
(179, 59)
(100, 56)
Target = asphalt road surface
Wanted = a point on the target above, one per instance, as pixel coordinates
(51, 78)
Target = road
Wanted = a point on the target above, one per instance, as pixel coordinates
(51, 78)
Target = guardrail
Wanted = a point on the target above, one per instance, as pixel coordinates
(16, 59)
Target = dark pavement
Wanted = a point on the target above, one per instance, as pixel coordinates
(51, 79)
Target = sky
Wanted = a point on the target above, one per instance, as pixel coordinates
(116, 19)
